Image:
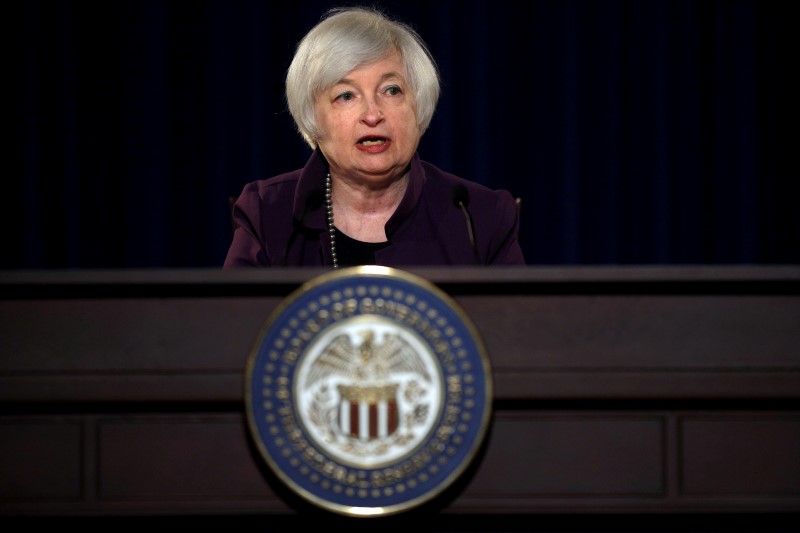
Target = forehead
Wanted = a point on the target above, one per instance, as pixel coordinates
(389, 64)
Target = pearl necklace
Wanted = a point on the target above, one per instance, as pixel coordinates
(329, 212)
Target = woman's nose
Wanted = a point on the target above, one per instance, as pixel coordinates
(373, 115)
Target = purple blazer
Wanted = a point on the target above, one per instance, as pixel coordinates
(282, 222)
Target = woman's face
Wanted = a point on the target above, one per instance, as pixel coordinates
(368, 122)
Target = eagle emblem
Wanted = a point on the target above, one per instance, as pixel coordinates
(367, 392)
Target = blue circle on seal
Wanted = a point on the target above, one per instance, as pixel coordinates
(368, 391)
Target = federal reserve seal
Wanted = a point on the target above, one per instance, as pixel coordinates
(368, 391)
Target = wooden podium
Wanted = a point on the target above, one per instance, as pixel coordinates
(619, 391)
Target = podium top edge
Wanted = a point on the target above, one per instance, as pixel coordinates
(439, 275)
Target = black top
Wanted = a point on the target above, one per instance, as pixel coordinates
(351, 252)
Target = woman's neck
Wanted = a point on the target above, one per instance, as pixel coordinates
(362, 212)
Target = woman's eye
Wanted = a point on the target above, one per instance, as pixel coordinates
(345, 96)
(393, 90)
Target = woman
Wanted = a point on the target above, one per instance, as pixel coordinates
(362, 90)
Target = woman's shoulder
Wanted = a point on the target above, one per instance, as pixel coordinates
(275, 186)
(449, 184)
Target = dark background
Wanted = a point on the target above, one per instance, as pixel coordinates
(635, 132)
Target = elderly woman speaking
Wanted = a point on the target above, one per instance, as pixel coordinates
(362, 90)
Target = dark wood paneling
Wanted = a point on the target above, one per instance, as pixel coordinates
(40, 459)
(190, 458)
(573, 455)
(746, 455)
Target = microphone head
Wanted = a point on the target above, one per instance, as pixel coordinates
(314, 199)
(460, 195)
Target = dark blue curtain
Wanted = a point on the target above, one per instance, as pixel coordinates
(635, 132)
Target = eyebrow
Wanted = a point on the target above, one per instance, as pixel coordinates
(384, 77)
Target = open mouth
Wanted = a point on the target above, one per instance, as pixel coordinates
(372, 141)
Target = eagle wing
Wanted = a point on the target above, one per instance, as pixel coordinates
(339, 358)
(399, 356)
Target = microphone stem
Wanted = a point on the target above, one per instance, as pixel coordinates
(471, 230)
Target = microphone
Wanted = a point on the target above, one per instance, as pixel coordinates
(313, 201)
(461, 199)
